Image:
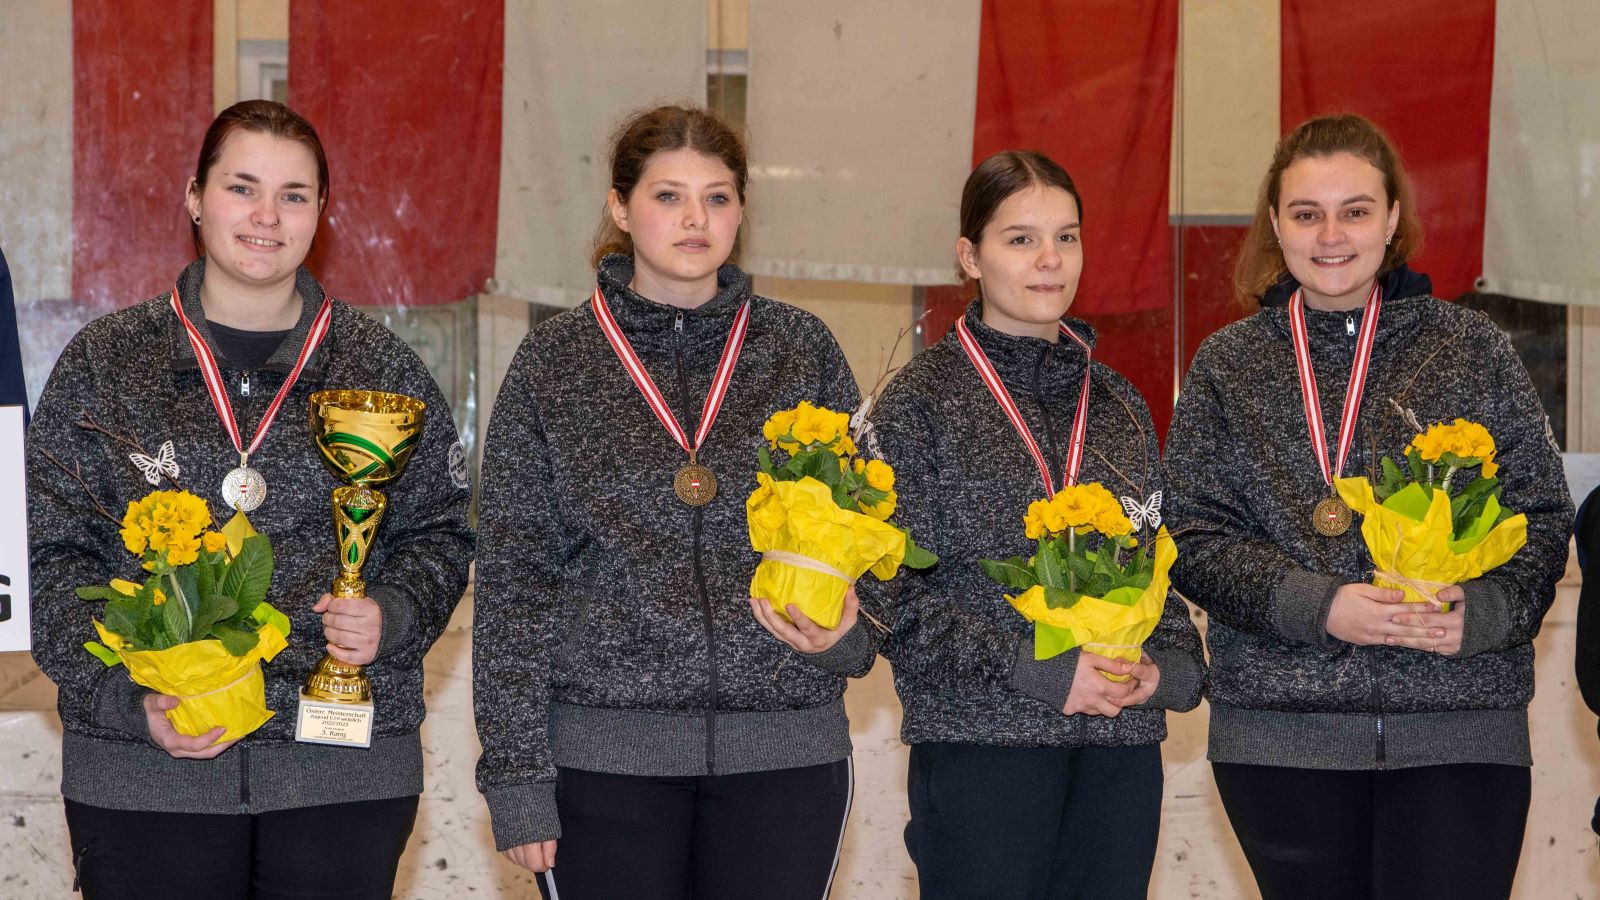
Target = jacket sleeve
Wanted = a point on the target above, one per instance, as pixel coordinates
(71, 545)
(425, 539)
(523, 548)
(1505, 606)
(854, 653)
(1226, 565)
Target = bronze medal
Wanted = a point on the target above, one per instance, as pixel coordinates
(1331, 518)
(695, 484)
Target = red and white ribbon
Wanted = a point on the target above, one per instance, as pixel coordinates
(219, 391)
(1352, 394)
(1080, 422)
(647, 386)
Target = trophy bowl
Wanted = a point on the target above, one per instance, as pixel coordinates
(365, 439)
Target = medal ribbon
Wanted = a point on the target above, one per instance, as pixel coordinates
(219, 392)
(647, 386)
(1080, 421)
(1352, 394)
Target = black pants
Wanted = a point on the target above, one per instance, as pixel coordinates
(1033, 823)
(769, 835)
(341, 851)
(1451, 831)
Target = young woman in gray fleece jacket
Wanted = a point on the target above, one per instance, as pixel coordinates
(631, 709)
(1363, 747)
(154, 813)
(1028, 778)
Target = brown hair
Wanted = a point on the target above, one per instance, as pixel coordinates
(660, 130)
(1002, 175)
(263, 117)
(1260, 264)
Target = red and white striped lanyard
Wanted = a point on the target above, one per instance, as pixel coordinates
(652, 394)
(1352, 395)
(1080, 422)
(219, 392)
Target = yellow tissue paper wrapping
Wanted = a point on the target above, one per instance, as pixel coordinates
(1114, 626)
(213, 686)
(1409, 537)
(829, 547)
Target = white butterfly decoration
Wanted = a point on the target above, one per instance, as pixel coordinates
(1149, 513)
(165, 462)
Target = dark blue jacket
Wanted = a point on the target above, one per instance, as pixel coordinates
(13, 391)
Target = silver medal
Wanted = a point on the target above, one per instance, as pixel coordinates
(244, 489)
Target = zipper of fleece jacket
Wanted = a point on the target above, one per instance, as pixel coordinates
(699, 569)
(244, 752)
(1381, 751)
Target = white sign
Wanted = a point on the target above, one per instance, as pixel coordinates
(14, 628)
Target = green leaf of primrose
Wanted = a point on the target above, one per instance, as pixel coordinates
(1419, 469)
(250, 574)
(122, 619)
(1048, 566)
(205, 575)
(764, 459)
(175, 620)
(97, 592)
(236, 641)
(214, 609)
(843, 498)
(916, 557)
(1014, 573)
(1060, 598)
(187, 580)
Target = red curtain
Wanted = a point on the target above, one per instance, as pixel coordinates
(1422, 70)
(407, 103)
(142, 85)
(1090, 84)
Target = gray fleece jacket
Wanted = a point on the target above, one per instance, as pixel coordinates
(1244, 481)
(134, 372)
(962, 656)
(612, 631)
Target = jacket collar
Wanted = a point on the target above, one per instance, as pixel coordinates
(1016, 358)
(282, 359)
(1407, 305)
(634, 311)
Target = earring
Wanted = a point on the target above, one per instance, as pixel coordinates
(197, 220)
(1388, 240)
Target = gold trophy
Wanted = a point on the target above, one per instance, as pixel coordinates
(365, 438)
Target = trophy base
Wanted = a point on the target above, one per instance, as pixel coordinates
(340, 723)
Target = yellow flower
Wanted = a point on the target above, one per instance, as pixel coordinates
(133, 537)
(814, 425)
(880, 475)
(160, 598)
(882, 511)
(1467, 440)
(168, 522)
(1034, 521)
(124, 587)
(845, 447)
(214, 541)
(183, 549)
(778, 425)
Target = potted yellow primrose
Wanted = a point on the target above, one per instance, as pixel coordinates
(1426, 526)
(1089, 583)
(821, 518)
(199, 626)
